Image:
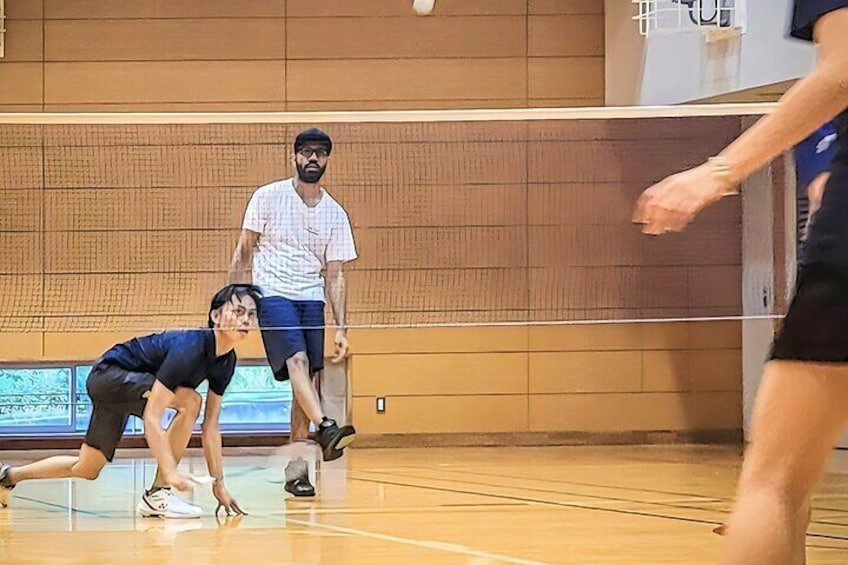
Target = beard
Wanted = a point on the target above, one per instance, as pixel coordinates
(310, 176)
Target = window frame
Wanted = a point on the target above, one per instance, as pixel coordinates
(77, 399)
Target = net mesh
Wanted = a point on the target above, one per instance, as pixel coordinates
(110, 226)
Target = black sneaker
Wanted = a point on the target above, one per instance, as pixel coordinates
(297, 478)
(333, 439)
(5, 486)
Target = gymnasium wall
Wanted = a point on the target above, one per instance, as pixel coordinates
(132, 228)
(221, 55)
(544, 236)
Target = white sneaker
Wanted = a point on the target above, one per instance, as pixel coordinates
(162, 503)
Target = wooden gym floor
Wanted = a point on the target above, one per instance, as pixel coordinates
(401, 506)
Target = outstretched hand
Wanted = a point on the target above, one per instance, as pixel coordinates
(673, 203)
(225, 501)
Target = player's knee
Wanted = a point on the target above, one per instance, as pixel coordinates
(298, 362)
(777, 484)
(188, 401)
(88, 472)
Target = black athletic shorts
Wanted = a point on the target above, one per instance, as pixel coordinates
(116, 394)
(816, 324)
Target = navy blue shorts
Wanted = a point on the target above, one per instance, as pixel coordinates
(303, 323)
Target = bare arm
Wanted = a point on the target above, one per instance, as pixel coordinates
(671, 204)
(160, 398)
(213, 452)
(811, 102)
(211, 436)
(336, 292)
(241, 268)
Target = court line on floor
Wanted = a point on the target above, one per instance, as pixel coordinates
(64, 507)
(576, 505)
(692, 505)
(426, 544)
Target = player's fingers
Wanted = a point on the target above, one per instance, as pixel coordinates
(238, 509)
(218, 508)
(640, 212)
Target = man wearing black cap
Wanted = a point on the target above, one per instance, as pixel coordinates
(292, 231)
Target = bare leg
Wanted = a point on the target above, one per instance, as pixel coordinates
(187, 404)
(86, 465)
(798, 417)
(305, 396)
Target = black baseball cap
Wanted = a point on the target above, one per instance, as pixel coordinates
(313, 135)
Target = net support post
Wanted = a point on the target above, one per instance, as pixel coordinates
(768, 268)
(2, 29)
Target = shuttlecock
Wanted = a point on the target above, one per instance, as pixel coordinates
(423, 7)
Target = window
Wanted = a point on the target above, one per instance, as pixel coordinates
(54, 400)
(35, 398)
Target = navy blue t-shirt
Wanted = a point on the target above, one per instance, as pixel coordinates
(807, 12)
(828, 236)
(804, 17)
(175, 358)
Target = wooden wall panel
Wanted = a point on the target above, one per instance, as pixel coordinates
(224, 39)
(328, 8)
(440, 374)
(21, 169)
(579, 372)
(407, 38)
(20, 211)
(20, 253)
(566, 36)
(24, 42)
(453, 228)
(590, 204)
(215, 55)
(139, 251)
(182, 208)
(137, 295)
(635, 412)
(693, 370)
(484, 339)
(448, 248)
(556, 77)
(21, 82)
(157, 9)
(468, 414)
(621, 244)
(414, 79)
(485, 290)
(555, 7)
(142, 82)
(16, 346)
(161, 166)
(437, 205)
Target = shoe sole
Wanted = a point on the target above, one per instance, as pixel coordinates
(146, 512)
(335, 450)
(300, 494)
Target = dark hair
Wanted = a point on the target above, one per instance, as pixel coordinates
(313, 135)
(226, 294)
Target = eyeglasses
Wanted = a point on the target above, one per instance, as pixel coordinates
(319, 152)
